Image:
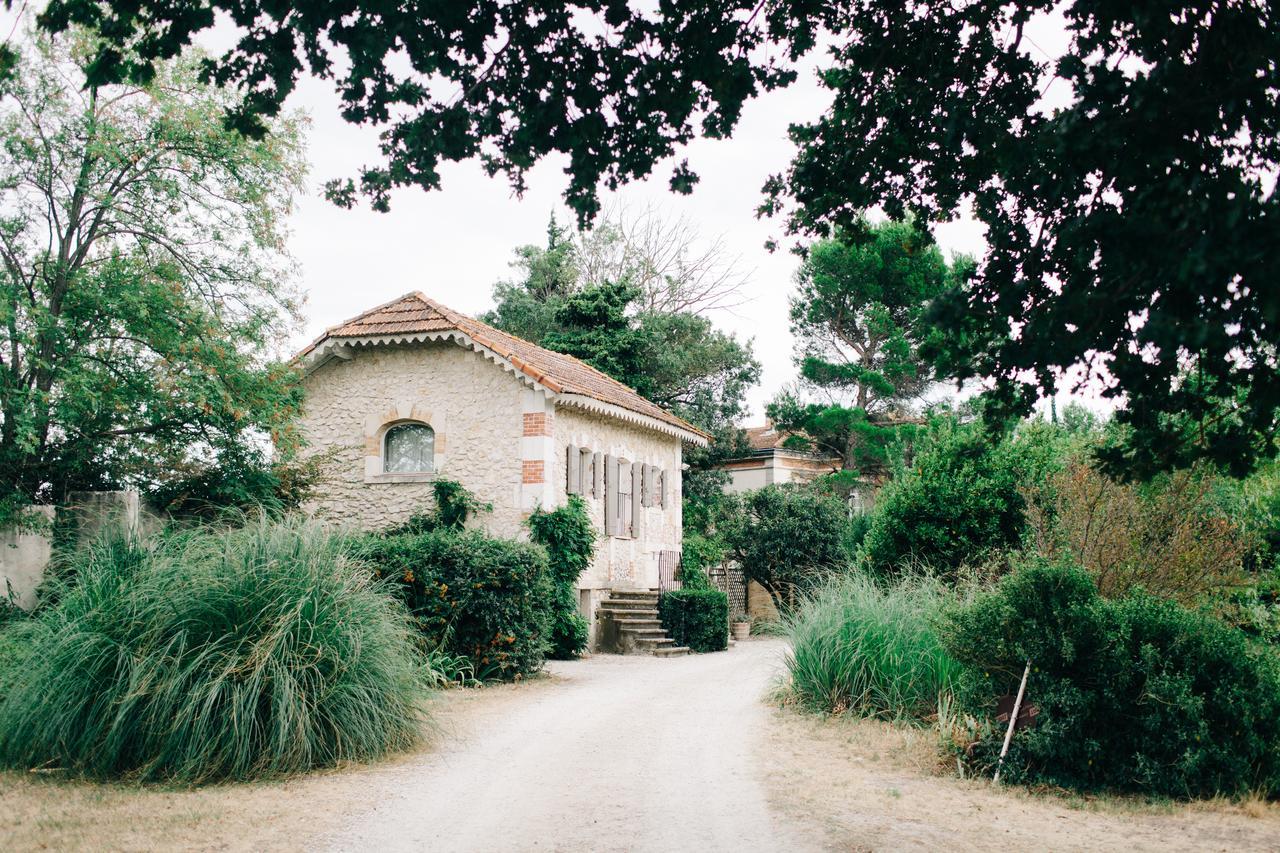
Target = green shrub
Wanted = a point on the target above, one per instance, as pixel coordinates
(697, 618)
(470, 594)
(240, 478)
(789, 539)
(872, 649)
(570, 540)
(212, 656)
(699, 554)
(1135, 694)
(957, 503)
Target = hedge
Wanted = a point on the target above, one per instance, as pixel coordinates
(697, 618)
(1137, 694)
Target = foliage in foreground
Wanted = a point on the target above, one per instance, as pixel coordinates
(15, 649)
(145, 281)
(210, 656)
(570, 539)
(471, 595)
(872, 649)
(697, 618)
(1135, 694)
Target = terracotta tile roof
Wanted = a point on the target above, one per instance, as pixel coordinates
(414, 313)
(769, 437)
(765, 437)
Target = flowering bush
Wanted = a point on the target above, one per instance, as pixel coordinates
(470, 594)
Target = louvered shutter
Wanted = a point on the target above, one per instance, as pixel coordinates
(611, 496)
(573, 478)
(597, 474)
(584, 471)
(637, 498)
(661, 487)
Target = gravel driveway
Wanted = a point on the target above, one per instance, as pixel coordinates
(619, 753)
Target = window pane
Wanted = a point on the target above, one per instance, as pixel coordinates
(410, 448)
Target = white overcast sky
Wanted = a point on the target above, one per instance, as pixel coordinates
(454, 243)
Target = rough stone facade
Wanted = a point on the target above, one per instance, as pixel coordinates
(505, 441)
(629, 562)
(473, 406)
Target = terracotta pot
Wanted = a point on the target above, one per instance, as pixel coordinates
(740, 630)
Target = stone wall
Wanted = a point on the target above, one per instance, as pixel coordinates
(632, 561)
(473, 405)
(760, 606)
(24, 553)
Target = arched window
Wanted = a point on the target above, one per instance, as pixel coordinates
(409, 449)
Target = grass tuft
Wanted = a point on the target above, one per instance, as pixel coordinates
(872, 650)
(215, 655)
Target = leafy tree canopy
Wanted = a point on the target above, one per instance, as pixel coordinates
(859, 320)
(143, 279)
(1130, 218)
(677, 359)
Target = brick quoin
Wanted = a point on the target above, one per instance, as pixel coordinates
(532, 470)
(537, 423)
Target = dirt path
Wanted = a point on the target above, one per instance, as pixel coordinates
(623, 753)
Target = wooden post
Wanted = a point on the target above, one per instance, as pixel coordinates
(1013, 721)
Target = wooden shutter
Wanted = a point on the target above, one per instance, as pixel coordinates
(597, 474)
(573, 478)
(585, 459)
(611, 496)
(661, 488)
(637, 497)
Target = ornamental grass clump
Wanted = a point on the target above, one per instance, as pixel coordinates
(212, 656)
(871, 649)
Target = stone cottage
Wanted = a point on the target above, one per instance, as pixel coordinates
(412, 390)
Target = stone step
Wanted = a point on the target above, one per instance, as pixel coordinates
(652, 640)
(629, 615)
(646, 631)
(633, 594)
(628, 622)
(671, 652)
(631, 602)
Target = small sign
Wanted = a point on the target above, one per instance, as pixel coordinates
(1027, 714)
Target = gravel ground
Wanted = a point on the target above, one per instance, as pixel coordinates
(626, 754)
(623, 753)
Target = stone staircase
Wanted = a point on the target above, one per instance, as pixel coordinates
(629, 625)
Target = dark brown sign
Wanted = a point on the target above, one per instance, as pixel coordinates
(1027, 714)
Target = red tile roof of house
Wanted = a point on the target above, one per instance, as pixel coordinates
(414, 314)
(765, 437)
